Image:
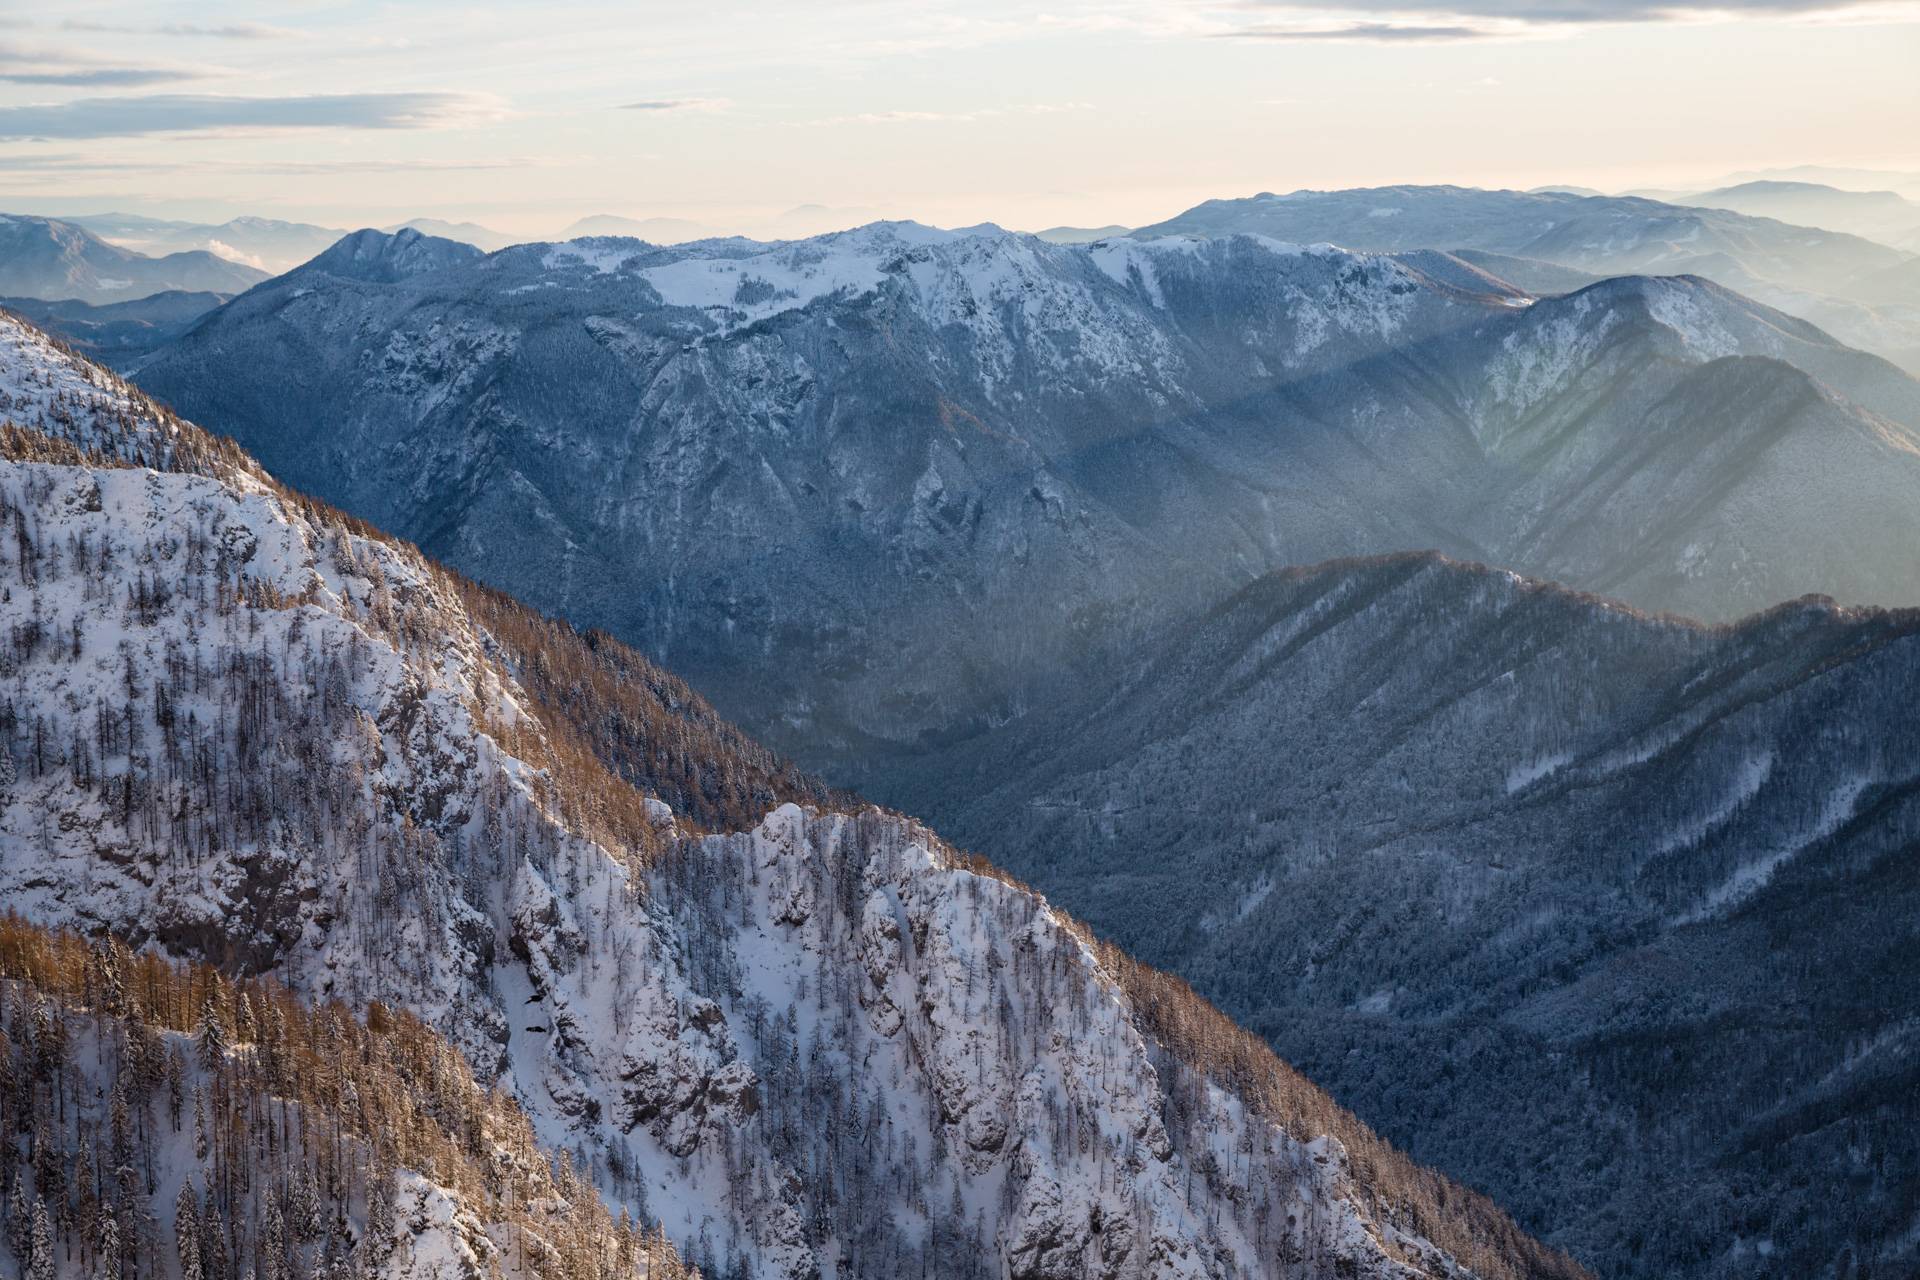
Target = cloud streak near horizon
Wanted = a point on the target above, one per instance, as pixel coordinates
(221, 31)
(81, 68)
(138, 115)
(1414, 21)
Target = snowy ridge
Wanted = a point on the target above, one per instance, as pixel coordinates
(45, 387)
(238, 726)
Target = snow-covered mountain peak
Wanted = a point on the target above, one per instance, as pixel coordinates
(384, 257)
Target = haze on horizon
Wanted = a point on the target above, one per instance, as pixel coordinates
(360, 113)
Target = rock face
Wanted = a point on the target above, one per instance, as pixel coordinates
(1636, 887)
(241, 725)
(894, 485)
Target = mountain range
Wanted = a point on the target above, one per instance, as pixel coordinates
(48, 259)
(818, 1041)
(1884, 216)
(270, 244)
(1000, 531)
(1831, 278)
(823, 479)
(1008, 531)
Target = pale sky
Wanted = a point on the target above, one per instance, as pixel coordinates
(730, 111)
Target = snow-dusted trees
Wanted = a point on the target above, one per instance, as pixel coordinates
(40, 1247)
(288, 1171)
(186, 1232)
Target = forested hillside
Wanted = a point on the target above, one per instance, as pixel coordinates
(160, 1120)
(1464, 845)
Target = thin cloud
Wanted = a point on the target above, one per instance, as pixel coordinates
(952, 117)
(135, 116)
(1424, 21)
(101, 77)
(676, 104)
(75, 67)
(221, 31)
(1373, 31)
(1560, 12)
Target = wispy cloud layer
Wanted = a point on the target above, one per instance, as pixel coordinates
(952, 117)
(1381, 31)
(137, 115)
(208, 31)
(1414, 21)
(677, 104)
(36, 65)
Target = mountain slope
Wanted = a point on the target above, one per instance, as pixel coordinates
(819, 477)
(157, 1114)
(241, 725)
(1631, 887)
(1821, 276)
(45, 258)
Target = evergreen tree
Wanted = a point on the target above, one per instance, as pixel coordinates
(210, 1042)
(106, 1253)
(381, 1191)
(186, 1233)
(40, 1265)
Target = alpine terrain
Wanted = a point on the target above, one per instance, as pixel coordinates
(895, 484)
(803, 1036)
(1472, 848)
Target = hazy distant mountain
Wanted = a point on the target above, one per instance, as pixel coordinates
(1807, 272)
(1905, 182)
(485, 238)
(267, 243)
(819, 477)
(1080, 235)
(50, 259)
(1567, 191)
(652, 230)
(1521, 874)
(1878, 215)
(117, 333)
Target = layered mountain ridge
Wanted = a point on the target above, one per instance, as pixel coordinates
(243, 726)
(819, 477)
(1629, 886)
(52, 260)
(1830, 277)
